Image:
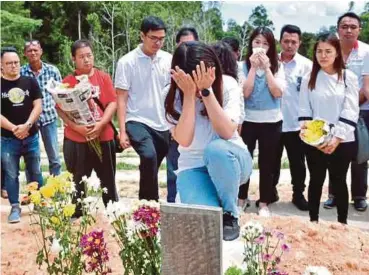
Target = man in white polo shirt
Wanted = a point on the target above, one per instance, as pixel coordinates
(296, 67)
(356, 56)
(140, 79)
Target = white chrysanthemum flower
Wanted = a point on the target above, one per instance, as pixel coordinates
(114, 210)
(317, 270)
(55, 246)
(252, 230)
(90, 204)
(93, 182)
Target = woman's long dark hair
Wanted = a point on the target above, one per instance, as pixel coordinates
(187, 56)
(226, 58)
(338, 65)
(272, 51)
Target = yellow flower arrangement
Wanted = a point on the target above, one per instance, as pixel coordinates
(69, 210)
(35, 197)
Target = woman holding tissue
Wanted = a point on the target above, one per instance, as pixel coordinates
(330, 93)
(203, 110)
(262, 90)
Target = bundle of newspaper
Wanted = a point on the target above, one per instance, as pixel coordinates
(78, 104)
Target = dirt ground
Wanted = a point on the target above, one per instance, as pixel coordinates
(343, 250)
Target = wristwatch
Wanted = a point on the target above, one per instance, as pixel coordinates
(206, 92)
(29, 124)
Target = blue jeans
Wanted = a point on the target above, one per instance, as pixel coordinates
(172, 165)
(49, 134)
(216, 184)
(11, 151)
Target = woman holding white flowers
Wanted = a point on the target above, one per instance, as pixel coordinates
(330, 93)
(80, 158)
(262, 88)
(203, 110)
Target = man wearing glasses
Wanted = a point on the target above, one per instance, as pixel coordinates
(140, 79)
(356, 56)
(47, 122)
(21, 105)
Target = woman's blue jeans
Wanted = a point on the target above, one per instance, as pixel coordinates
(216, 184)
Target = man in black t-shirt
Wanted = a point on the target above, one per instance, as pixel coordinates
(21, 105)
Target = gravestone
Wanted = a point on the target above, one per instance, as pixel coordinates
(191, 238)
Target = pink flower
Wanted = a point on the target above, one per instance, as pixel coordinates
(150, 217)
(285, 247)
(277, 260)
(280, 235)
(260, 239)
(267, 258)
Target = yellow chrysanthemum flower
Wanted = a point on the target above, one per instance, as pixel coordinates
(48, 191)
(55, 220)
(69, 210)
(35, 197)
(32, 186)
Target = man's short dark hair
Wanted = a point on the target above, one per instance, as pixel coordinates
(5, 50)
(349, 14)
(233, 42)
(290, 29)
(152, 23)
(80, 44)
(184, 31)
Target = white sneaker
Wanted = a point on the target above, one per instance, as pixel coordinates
(264, 212)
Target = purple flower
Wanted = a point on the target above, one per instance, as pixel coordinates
(94, 247)
(149, 216)
(260, 239)
(277, 260)
(280, 235)
(267, 257)
(285, 247)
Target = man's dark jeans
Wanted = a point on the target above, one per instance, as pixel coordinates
(296, 158)
(152, 147)
(172, 165)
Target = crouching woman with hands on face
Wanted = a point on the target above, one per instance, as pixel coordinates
(203, 112)
(330, 93)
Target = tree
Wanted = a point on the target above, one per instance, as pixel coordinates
(259, 18)
(16, 24)
(307, 43)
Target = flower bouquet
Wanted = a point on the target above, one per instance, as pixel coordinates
(137, 233)
(78, 104)
(317, 132)
(58, 239)
(263, 252)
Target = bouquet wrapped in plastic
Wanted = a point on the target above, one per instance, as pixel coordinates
(78, 104)
(316, 132)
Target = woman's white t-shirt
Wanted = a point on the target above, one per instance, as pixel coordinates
(192, 156)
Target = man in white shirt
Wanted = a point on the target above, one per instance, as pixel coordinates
(140, 79)
(296, 67)
(356, 56)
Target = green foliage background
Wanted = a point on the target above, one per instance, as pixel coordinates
(113, 26)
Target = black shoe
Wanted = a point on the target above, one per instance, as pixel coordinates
(360, 205)
(231, 229)
(330, 203)
(301, 203)
(274, 199)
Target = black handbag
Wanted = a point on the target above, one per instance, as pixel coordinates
(118, 147)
